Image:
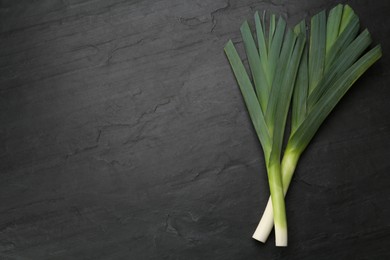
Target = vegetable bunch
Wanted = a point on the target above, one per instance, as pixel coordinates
(307, 70)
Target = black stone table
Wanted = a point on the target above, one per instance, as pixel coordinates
(123, 135)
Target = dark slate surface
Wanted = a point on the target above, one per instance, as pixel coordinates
(123, 135)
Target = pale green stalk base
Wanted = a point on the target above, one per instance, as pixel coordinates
(277, 198)
(289, 162)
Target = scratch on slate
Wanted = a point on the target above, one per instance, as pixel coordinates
(98, 135)
(121, 48)
(112, 163)
(162, 104)
(134, 140)
(191, 21)
(278, 4)
(193, 217)
(151, 111)
(139, 92)
(88, 46)
(169, 228)
(217, 11)
(82, 150)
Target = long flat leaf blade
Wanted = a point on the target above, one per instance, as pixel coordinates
(348, 13)
(277, 84)
(317, 49)
(263, 52)
(298, 111)
(333, 26)
(275, 47)
(271, 31)
(284, 99)
(342, 41)
(343, 62)
(249, 96)
(259, 79)
(325, 105)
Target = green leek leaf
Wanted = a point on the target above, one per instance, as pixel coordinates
(249, 95)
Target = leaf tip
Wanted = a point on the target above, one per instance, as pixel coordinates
(228, 45)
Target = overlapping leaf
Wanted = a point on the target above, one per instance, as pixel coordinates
(343, 65)
(273, 64)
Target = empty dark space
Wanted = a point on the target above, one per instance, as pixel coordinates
(123, 135)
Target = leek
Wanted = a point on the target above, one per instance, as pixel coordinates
(274, 71)
(313, 77)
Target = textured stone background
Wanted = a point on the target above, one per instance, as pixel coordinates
(123, 135)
